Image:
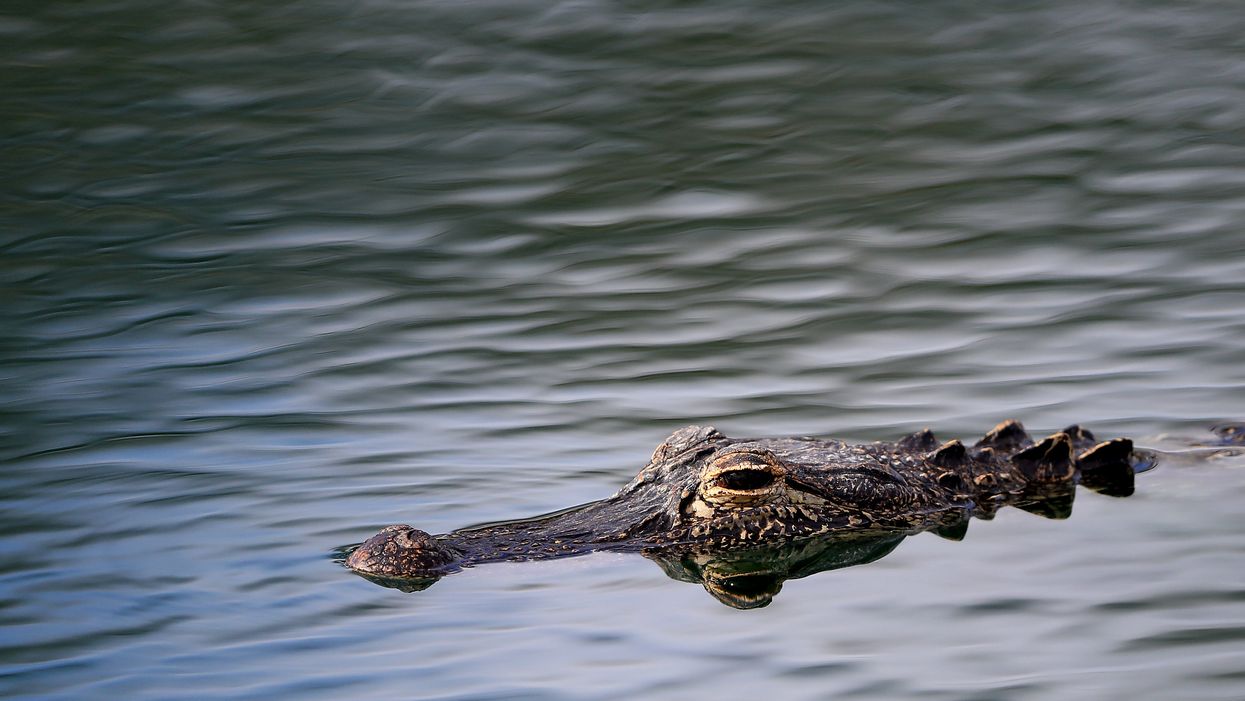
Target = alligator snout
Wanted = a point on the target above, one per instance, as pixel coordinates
(401, 551)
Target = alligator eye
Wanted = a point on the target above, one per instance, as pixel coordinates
(747, 480)
(742, 477)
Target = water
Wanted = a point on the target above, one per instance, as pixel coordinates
(274, 276)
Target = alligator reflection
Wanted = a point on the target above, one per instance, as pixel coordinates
(742, 579)
(748, 578)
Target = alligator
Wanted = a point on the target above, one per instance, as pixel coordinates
(703, 496)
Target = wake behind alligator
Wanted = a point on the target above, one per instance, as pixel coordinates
(742, 515)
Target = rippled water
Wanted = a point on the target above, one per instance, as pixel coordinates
(275, 275)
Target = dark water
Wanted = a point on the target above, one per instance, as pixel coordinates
(273, 275)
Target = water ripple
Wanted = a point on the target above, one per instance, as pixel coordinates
(274, 276)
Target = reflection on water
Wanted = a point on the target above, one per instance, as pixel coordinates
(746, 578)
(743, 578)
(749, 579)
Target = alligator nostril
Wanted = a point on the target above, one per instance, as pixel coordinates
(746, 480)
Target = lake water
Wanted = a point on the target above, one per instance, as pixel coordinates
(276, 275)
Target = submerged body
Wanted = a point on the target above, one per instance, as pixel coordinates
(705, 492)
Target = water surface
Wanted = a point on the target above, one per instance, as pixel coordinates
(276, 276)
